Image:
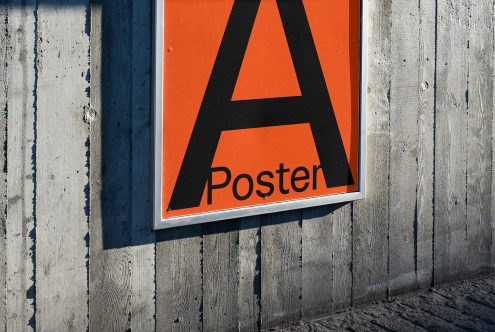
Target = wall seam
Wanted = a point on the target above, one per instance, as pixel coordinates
(5, 171)
(420, 78)
(301, 218)
(87, 188)
(435, 91)
(258, 274)
(389, 105)
(32, 321)
(202, 248)
(389, 95)
(492, 263)
(467, 147)
(351, 267)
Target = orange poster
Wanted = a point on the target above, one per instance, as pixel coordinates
(257, 107)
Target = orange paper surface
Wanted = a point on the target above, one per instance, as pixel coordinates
(193, 31)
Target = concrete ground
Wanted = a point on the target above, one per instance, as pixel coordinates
(466, 306)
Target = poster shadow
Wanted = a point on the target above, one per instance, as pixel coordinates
(126, 135)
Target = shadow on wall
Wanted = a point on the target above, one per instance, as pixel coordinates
(124, 78)
(126, 119)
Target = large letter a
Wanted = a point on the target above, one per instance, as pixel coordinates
(218, 112)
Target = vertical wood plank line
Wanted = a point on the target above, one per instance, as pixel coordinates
(479, 159)
(410, 149)
(342, 258)
(493, 154)
(60, 159)
(4, 87)
(468, 136)
(220, 275)
(87, 188)
(370, 216)
(94, 141)
(450, 206)
(249, 260)
(202, 276)
(317, 246)
(326, 282)
(179, 274)
(425, 160)
(34, 161)
(142, 236)
(281, 269)
(111, 159)
(352, 256)
(20, 284)
(435, 94)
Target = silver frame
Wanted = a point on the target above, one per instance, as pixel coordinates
(159, 223)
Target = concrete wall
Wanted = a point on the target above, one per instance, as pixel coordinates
(76, 251)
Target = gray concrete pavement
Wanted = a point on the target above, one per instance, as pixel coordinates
(466, 306)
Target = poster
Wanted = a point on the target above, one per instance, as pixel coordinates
(258, 107)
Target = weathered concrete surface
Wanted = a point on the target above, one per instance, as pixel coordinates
(466, 306)
(76, 249)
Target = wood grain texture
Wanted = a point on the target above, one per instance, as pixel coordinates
(179, 279)
(220, 276)
(479, 136)
(411, 145)
(450, 140)
(493, 161)
(249, 291)
(426, 116)
(326, 259)
(371, 217)
(317, 261)
(110, 144)
(20, 233)
(61, 166)
(142, 236)
(281, 268)
(4, 90)
(342, 257)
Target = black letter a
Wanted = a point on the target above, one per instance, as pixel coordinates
(218, 112)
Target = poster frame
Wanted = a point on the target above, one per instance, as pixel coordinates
(234, 213)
